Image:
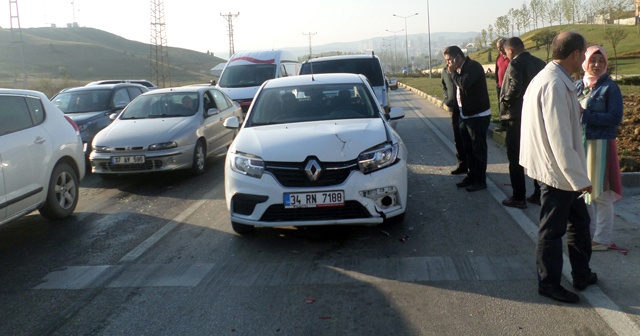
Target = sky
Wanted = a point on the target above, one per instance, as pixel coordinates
(198, 24)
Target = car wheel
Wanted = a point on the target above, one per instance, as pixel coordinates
(199, 159)
(62, 193)
(242, 228)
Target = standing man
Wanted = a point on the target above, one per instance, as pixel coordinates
(450, 100)
(475, 114)
(552, 152)
(502, 62)
(521, 70)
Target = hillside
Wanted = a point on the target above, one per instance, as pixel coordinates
(87, 54)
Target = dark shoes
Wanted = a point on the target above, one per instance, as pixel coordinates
(514, 203)
(559, 294)
(464, 183)
(535, 199)
(582, 284)
(461, 169)
(476, 187)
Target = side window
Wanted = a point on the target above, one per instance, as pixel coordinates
(289, 69)
(134, 92)
(209, 103)
(14, 114)
(221, 102)
(36, 109)
(121, 97)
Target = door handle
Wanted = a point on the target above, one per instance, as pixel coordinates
(40, 140)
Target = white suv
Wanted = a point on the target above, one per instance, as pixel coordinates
(41, 157)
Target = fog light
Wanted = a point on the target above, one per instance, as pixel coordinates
(386, 201)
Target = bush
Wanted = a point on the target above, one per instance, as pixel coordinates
(634, 80)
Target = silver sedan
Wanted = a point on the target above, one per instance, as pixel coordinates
(166, 129)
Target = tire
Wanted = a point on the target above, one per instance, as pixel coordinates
(62, 193)
(199, 159)
(242, 229)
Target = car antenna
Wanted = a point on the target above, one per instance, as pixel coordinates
(312, 77)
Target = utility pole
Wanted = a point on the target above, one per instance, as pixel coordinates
(229, 17)
(395, 46)
(310, 34)
(159, 50)
(17, 44)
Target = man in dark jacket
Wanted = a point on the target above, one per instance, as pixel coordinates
(449, 100)
(475, 114)
(520, 71)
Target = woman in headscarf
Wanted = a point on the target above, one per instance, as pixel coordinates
(601, 100)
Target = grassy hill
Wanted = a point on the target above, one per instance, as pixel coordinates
(61, 57)
(628, 50)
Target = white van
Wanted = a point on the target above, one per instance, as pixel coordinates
(246, 71)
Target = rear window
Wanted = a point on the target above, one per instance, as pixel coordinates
(249, 75)
(370, 67)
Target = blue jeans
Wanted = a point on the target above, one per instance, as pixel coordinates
(562, 212)
(473, 132)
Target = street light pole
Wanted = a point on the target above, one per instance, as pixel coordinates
(429, 34)
(395, 43)
(406, 39)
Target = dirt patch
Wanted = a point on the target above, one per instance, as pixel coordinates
(629, 135)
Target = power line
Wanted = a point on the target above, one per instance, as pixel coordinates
(159, 50)
(309, 34)
(17, 44)
(229, 17)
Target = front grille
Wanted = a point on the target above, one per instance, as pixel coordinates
(350, 210)
(294, 175)
(148, 165)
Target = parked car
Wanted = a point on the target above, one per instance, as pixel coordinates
(148, 84)
(246, 71)
(166, 129)
(91, 106)
(393, 83)
(315, 150)
(41, 159)
(368, 65)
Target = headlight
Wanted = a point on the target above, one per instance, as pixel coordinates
(247, 164)
(377, 157)
(163, 145)
(101, 149)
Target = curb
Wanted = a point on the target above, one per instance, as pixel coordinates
(629, 179)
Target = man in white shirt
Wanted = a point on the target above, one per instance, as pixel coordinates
(552, 152)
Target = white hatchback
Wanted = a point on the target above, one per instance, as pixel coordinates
(315, 150)
(41, 157)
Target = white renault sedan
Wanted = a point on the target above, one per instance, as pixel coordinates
(166, 129)
(315, 150)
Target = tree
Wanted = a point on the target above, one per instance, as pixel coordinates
(544, 38)
(483, 34)
(502, 25)
(614, 36)
(490, 32)
(525, 17)
(535, 7)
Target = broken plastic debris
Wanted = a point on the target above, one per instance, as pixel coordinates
(385, 233)
(404, 239)
(309, 300)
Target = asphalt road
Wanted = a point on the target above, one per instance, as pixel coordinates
(155, 255)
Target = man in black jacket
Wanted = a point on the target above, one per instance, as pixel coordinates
(475, 114)
(449, 100)
(521, 70)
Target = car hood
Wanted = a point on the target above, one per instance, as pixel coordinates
(241, 93)
(140, 132)
(81, 118)
(333, 140)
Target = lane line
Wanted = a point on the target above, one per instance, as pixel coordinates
(610, 312)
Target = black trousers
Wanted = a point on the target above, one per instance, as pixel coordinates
(461, 155)
(562, 212)
(516, 172)
(473, 132)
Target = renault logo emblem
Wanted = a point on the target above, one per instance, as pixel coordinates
(313, 170)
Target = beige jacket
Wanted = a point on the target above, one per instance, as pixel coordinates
(551, 147)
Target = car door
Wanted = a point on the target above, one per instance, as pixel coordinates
(3, 197)
(25, 148)
(220, 136)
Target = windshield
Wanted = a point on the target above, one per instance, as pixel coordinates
(238, 76)
(83, 101)
(370, 67)
(162, 105)
(312, 103)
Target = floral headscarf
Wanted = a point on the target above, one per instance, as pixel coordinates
(590, 80)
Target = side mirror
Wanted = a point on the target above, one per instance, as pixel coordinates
(113, 116)
(212, 111)
(232, 122)
(213, 82)
(396, 113)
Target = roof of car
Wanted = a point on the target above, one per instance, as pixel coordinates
(335, 78)
(341, 57)
(187, 88)
(101, 87)
(143, 82)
